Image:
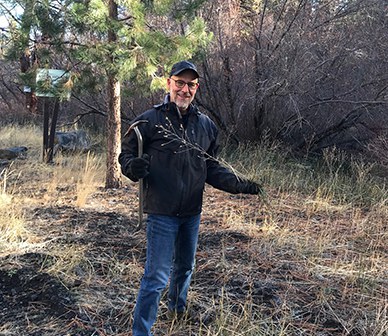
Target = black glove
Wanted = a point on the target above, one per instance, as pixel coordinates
(139, 167)
(252, 188)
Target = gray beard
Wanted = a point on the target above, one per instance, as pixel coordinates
(183, 107)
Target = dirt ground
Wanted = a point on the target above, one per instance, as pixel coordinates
(80, 274)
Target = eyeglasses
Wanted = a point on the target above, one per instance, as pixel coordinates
(180, 84)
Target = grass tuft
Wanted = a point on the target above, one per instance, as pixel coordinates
(12, 226)
(89, 179)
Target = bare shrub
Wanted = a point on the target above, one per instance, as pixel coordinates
(312, 74)
(379, 148)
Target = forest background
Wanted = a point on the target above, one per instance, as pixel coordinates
(312, 74)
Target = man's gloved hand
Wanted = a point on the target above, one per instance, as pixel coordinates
(252, 188)
(139, 167)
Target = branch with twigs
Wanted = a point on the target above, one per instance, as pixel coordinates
(173, 136)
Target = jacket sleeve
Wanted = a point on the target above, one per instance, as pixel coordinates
(128, 153)
(220, 176)
(129, 149)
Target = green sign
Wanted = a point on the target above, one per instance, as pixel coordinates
(53, 83)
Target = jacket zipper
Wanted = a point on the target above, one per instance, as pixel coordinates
(184, 163)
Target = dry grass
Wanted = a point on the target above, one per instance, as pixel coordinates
(82, 171)
(29, 136)
(312, 260)
(13, 231)
(90, 179)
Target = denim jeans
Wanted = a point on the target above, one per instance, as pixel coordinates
(171, 246)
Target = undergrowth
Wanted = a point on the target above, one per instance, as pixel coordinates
(335, 177)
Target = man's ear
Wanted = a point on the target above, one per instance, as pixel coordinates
(168, 86)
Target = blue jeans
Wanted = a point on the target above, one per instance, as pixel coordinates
(171, 246)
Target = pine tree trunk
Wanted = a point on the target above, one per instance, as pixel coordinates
(113, 175)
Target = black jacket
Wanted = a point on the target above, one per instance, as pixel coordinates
(182, 159)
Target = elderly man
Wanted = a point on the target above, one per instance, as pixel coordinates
(180, 149)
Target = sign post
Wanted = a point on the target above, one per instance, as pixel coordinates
(51, 83)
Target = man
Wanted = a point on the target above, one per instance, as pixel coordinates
(180, 148)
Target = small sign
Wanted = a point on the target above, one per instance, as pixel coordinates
(52, 83)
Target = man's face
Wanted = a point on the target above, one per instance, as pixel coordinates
(182, 89)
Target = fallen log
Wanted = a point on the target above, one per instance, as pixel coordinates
(12, 153)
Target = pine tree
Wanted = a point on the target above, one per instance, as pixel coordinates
(122, 40)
